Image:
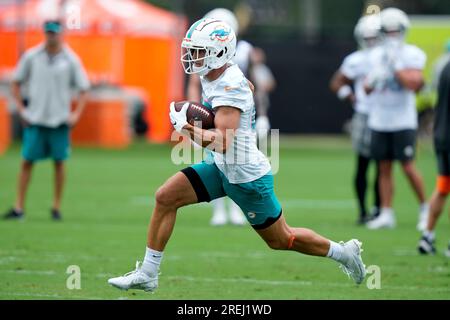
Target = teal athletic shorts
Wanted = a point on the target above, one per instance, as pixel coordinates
(42, 142)
(256, 198)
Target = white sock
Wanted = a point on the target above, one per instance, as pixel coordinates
(429, 234)
(386, 211)
(235, 210)
(336, 252)
(219, 206)
(424, 207)
(152, 260)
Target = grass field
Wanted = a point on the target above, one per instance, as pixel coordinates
(108, 202)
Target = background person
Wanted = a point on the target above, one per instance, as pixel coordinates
(50, 71)
(352, 72)
(395, 76)
(442, 148)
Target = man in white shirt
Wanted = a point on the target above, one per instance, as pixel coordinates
(352, 72)
(396, 74)
(50, 72)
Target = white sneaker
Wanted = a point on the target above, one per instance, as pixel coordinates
(136, 279)
(218, 219)
(354, 267)
(447, 253)
(237, 218)
(384, 220)
(423, 218)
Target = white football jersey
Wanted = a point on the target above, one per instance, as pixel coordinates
(394, 106)
(355, 67)
(242, 162)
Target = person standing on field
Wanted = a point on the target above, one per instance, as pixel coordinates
(396, 75)
(50, 71)
(442, 148)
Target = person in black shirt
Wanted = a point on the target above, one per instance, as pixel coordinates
(442, 148)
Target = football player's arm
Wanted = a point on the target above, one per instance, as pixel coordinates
(226, 121)
(341, 86)
(411, 79)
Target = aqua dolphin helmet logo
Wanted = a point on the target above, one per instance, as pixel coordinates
(220, 33)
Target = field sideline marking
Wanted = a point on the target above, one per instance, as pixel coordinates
(43, 295)
(269, 282)
(265, 282)
(241, 280)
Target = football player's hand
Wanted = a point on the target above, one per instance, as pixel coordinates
(178, 118)
(377, 78)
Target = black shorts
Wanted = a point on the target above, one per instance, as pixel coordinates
(396, 145)
(443, 161)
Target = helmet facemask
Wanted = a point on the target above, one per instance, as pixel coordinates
(195, 60)
(370, 42)
(367, 32)
(200, 60)
(393, 39)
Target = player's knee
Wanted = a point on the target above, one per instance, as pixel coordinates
(164, 197)
(443, 185)
(385, 170)
(26, 164)
(443, 193)
(408, 168)
(275, 244)
(59, 163)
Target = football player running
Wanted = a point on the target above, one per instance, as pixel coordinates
(221, 215)
(353, 71)
(442, 148)
(396, 74)
(235, 167)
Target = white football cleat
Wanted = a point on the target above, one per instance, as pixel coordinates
(423, 218)
(354, 267)
(447, 253)
(219, 219)
(384, 220)
(237, 218)
(136, 279)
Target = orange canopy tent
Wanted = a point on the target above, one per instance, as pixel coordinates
(125, 42)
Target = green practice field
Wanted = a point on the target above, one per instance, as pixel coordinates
(109, 199)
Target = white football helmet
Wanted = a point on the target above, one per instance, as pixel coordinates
(209, 44)
(394, 20)
(224, 15)
(367, 31)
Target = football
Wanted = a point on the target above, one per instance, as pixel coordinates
(197, 114)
